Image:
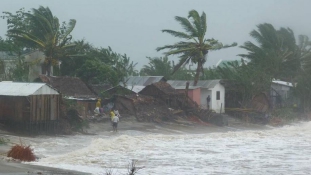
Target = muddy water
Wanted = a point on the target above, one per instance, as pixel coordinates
(285, 150)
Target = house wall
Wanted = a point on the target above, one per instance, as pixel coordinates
(44, 107)
(281, 90)
(218, 105)
(14, 108)
(193, 94)
(204, 94)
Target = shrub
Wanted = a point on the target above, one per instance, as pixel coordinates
(23, 153)
(76, 122)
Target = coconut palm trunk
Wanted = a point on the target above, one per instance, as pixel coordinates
(197, 74)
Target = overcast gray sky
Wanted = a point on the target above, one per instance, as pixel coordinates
(134, 26)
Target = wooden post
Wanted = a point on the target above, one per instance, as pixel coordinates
(187, 88)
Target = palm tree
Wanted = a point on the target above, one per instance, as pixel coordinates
(276, 53)
(194, 48)
(45, 34)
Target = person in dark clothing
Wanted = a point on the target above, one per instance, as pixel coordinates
(208, 99)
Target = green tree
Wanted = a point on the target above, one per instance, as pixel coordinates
(211, 74)
(18, 71)
(276, 53)
(82, 52)
(194, 47)
(302, 90)
(94, 71)
(124, 67)
(87, 61)
(243, 81)
(157, 67)
(41, 30)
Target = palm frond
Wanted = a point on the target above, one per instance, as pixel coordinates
(177, 34)
(203, 22)
(178, 51)
(70, 27)
(186, 24)
(194, 15)
(19, 34)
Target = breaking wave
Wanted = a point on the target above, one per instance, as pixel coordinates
(274, 151)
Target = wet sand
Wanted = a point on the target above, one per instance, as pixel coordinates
(182, 127)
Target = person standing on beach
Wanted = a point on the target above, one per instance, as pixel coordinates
(112, 114)
(115, 121)
(98, 103)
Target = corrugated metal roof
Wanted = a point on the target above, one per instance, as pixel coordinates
(184, 87)
(201, 83)
(135, 89)
(282, 83)
(143, 80)
(25, 89)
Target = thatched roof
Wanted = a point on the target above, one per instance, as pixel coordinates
(69, 86)
(164, 87)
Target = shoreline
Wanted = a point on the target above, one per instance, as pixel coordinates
(8, 166)
(14, 167)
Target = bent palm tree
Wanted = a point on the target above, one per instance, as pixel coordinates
(195, 47)
(276, 53)
(46, 35)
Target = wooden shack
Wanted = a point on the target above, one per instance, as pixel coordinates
(73, 89)
(172, 98)
(27, 103)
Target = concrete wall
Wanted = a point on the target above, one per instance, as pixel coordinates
(204, 93)
(218, 105)
(35, 61)
(195, 95)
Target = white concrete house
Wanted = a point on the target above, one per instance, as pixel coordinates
(212, 88)
(35, 60)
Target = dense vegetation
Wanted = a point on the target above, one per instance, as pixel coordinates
(276, 54)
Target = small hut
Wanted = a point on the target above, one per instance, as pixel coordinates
(165, 92)
(28, 105)
(73, 89)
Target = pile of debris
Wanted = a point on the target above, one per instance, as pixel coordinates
(160, 102)
(149, 109)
